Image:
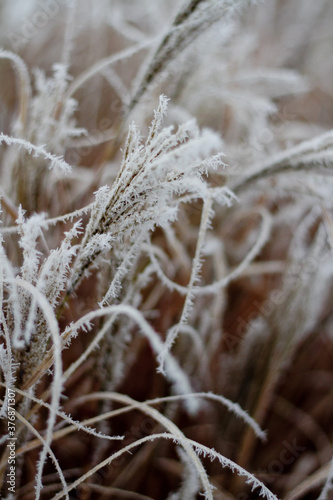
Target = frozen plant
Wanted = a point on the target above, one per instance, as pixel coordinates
(166, 262)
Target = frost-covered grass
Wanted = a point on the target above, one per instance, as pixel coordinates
(166, 239)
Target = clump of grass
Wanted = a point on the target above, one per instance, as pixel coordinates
(166, 262)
